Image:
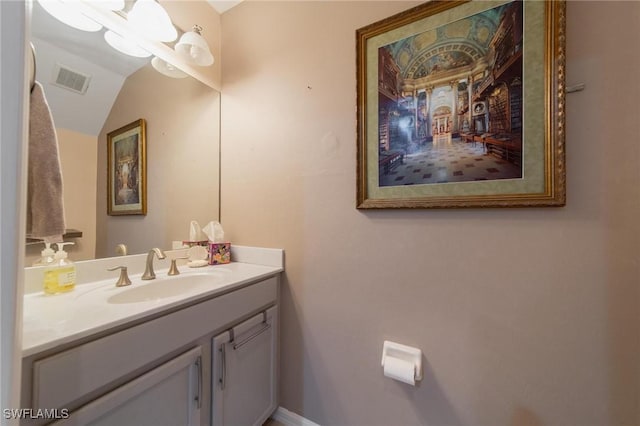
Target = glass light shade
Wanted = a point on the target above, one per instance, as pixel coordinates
(194, 48)
(125, 46)
(64, 12)
(163, 67)
(152, 20)
(111, 4)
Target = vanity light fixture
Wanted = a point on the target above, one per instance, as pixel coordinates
(147, 24)
(125, 46)
(65, 12)
(152, 20)
(194, 48)
(163, 67)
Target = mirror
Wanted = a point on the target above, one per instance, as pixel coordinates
(182, 140)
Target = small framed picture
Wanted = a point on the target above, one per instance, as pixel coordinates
(127, 174)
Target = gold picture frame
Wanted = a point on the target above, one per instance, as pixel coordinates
(462, 104)
(127, 170)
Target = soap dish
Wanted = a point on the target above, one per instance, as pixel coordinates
(197, 263)
(197, 253)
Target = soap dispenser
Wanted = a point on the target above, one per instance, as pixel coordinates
(60, 276)
(46, 256)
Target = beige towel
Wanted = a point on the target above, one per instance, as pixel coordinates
(45, 210)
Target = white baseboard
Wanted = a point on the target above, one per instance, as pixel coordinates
(289, 418)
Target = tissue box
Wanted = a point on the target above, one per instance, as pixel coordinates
(219, 253)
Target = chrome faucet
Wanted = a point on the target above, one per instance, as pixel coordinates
(148, 272)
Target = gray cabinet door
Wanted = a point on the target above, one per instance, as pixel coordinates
(167, 395)
(244, 370)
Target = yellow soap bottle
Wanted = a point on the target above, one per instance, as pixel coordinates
(60, 277)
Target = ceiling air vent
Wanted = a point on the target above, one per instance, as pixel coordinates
(69, 79)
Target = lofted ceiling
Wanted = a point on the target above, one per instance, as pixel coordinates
(223, 6)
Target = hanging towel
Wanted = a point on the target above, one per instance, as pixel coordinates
(45, 209)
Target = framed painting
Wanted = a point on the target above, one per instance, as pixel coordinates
(127, 175)
(461, 104)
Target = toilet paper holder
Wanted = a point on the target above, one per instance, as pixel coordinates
(405, 353)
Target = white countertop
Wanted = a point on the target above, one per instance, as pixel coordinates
(53, 320)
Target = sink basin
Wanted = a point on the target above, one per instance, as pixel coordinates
(162, 288)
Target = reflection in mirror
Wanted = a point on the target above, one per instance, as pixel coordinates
(182, 119)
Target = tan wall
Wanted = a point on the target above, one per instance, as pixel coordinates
(78, 154)
(526, 316)
(182, 161)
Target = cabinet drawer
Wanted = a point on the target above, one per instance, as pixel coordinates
(57, 383)
(167, 395)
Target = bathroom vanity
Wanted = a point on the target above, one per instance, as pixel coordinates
(200, 348)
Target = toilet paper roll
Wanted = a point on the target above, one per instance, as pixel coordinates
(400, 369)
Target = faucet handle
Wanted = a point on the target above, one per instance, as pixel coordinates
(123, 280)
(173, 270)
